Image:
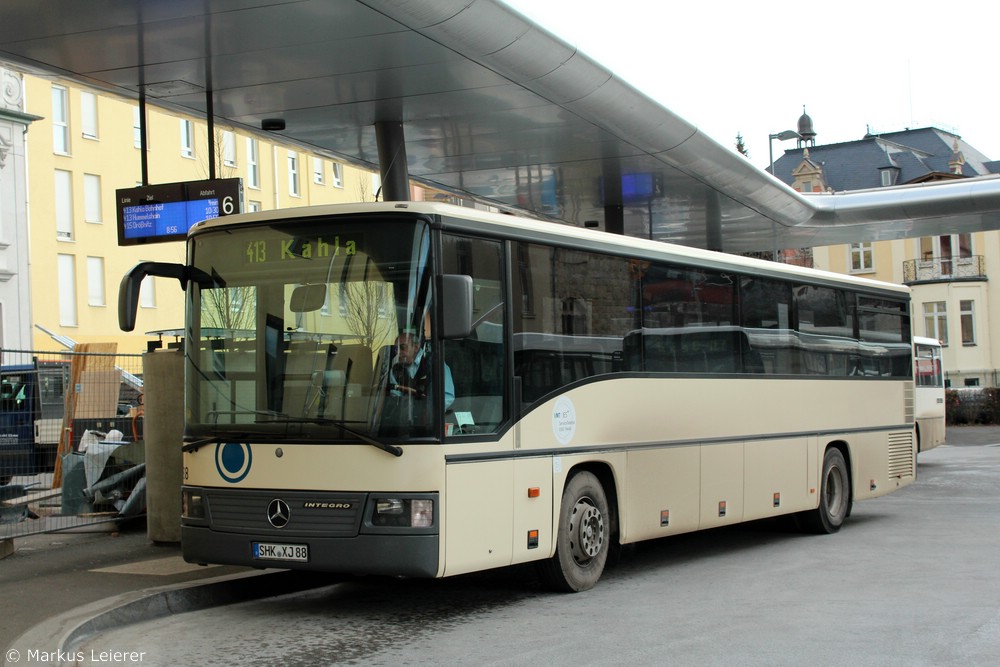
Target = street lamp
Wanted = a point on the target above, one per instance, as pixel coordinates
(780, 136)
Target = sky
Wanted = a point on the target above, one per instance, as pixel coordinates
(747, 67)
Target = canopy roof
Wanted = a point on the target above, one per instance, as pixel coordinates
(491, 106)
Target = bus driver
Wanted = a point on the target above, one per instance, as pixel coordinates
(410, 373)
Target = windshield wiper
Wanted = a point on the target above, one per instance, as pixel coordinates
(229, 437)
(342, 425)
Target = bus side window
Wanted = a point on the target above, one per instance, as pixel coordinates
(478, 361)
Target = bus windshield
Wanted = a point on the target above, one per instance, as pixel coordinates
(294, 330)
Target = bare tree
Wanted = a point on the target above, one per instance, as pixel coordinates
(366, 305)
(230, 308)
(364, 186)
(222, 170)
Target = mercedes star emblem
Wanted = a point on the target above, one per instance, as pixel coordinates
(278, 513)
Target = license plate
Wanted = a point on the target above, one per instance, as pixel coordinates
(271, 551)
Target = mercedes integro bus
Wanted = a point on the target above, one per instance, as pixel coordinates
(423, 390)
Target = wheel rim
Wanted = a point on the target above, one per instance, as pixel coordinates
(836, 492)
(586, 531)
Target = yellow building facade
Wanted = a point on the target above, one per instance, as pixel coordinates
(952, 294)
(949, 273)
(84, 148)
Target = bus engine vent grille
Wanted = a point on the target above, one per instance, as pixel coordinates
(901, 454)
(908, 404)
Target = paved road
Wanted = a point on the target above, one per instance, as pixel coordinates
(912, 579)
(51, 574)
(965, 436)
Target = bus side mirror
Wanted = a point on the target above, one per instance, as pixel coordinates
(128, 291)
(456, 306)
(307, 298)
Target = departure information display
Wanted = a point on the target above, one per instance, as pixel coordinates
(167, 219)
(159, 213)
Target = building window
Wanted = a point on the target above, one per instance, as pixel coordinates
(318, 171)
(862, 258)
(253, 206)
(946, 250)
(253, 164)
(92, 199)
(137, 129)
(64, 205)
(228, 149)
(95, 281)
(338, 175)
(88, 113)
(293, 174)
(967, 312)
(66, 272)
(187, 138)
(60, 120)
(936, 321)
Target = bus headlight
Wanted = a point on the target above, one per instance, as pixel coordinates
(389, 507)
(404, 512)
(192, 505)
(421, 513)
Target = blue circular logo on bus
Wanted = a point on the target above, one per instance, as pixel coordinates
(233, 459)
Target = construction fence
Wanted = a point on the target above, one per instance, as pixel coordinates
(71, 445)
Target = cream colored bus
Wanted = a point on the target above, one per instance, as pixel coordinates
(423, 390)
(929, 412)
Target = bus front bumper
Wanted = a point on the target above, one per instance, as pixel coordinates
(392, 555)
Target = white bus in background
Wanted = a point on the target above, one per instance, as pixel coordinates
(577, 391)
(929, 409)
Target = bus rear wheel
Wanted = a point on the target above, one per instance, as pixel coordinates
(835, 496)
(583, 540)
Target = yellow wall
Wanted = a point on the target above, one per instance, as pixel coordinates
(113, 156)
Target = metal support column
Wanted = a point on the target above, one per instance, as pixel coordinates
(614, 210)
(143, 142)
(713, 221)
(392, 161)
(210, 117)
(209, 97)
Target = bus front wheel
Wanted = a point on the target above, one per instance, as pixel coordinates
(583, 539)
(835, 496)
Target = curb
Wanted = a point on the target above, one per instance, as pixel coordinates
(58, 637)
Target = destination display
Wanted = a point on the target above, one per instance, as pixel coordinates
(160, 213)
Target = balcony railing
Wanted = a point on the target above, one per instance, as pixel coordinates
(954, 268)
